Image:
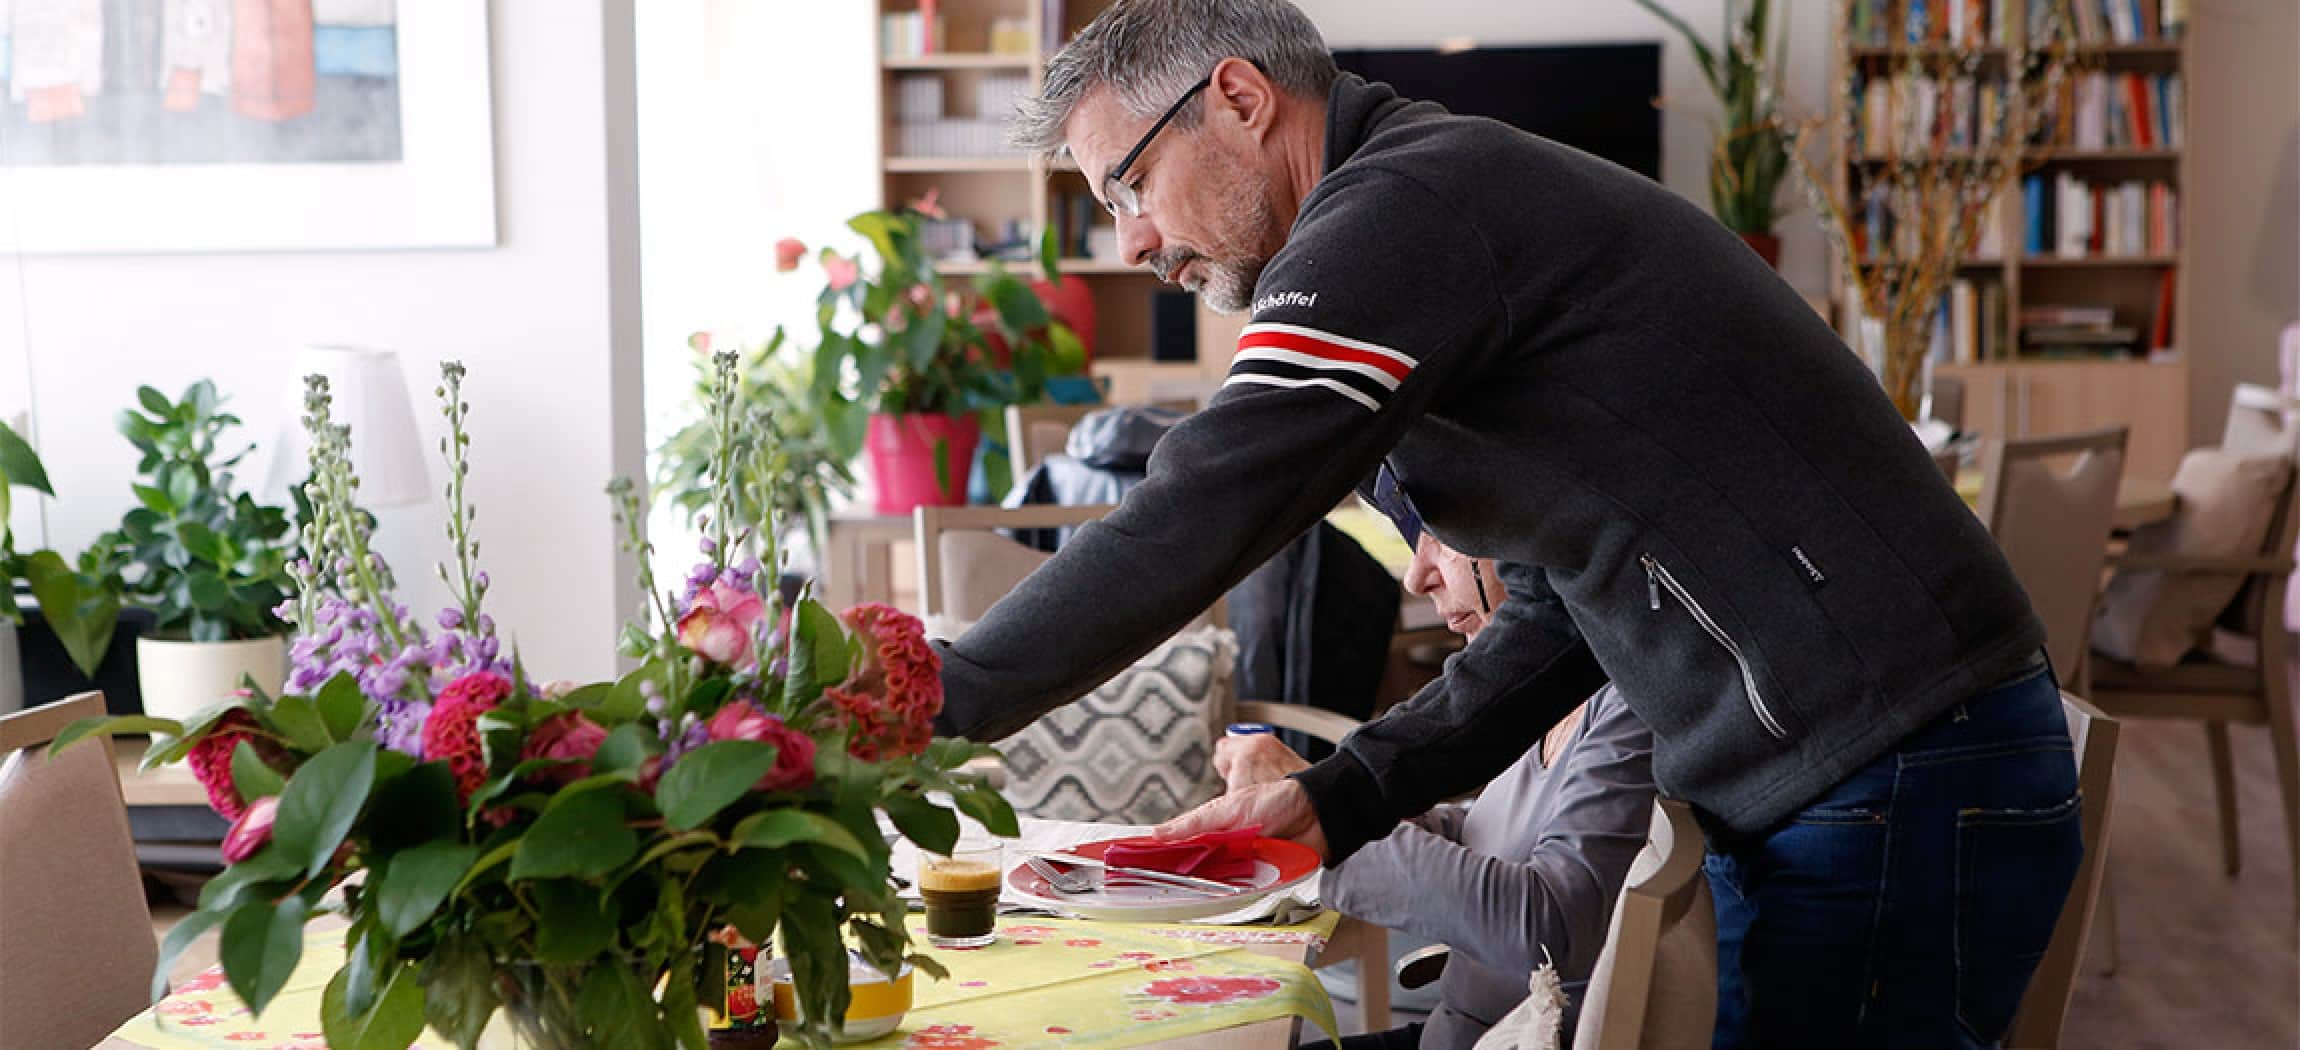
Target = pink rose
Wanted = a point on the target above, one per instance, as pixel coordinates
(722, 623)
(794, 751)
(569, 737)
(842, 271)
(252, 831)
(788, 252)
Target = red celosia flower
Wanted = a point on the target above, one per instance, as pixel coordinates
(451, 732)
(794, 751)
(211, 759)
(890, 701)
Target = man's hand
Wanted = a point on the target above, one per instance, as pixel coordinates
(1282, 809)
(1257, 758)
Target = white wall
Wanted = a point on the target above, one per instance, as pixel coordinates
(547, 322)
(2242, 199)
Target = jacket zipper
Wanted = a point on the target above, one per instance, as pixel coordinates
(1657, 578)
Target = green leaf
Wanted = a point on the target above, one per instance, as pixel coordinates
(113, 725)
(989, 809)
(619, 1010)
(776, 828)
(82, 614)
(924, 337)
(19, 465)
(417, 881)
(268, 872)
(752, 882)
(180, 936)
(155, 402)
(155, 499)
(342, 707)
(494, 858)
(821, 655)
(300, 722)
(624, 702)
(251, 776)
(590, 697)
(321, 802)
(202, 541)
(934, 828)
(416, 807)
(573, 928)
(367, 953)
(459, 989)
(703, 781)
(394, 1021)
(625, 749)
(1049, 255)
(260, 946)
(582, 834)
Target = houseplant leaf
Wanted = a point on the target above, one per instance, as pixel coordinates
(581, 834)
(392, 1022)
(706, 779)
(19, 465)
(82, 614)
(417, 881)
(261, 943)
(321, 802)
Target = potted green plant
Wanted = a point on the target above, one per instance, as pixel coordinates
(81, 605)
(1751, 156)
(806, 476)
(906, 364)
(209, 562)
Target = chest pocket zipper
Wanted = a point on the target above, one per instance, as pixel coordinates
(1657, 579)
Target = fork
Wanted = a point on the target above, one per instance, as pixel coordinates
(1083, 881)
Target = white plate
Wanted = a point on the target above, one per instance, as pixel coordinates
(1279, 866)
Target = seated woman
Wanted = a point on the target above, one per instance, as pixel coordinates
(1526, 876)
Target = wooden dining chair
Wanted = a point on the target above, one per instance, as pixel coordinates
(1655, 984)
(76, 944)
(2044, 1007)
(2050, 502)
(1034, 432)
(965, 566)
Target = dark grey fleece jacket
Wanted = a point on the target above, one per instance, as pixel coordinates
(1692, 487)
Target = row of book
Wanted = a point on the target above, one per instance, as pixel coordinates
(2096, 330)
(2072, 218)
(1968, 325)
(1969, 328)
(1957, 23)
(1882, 235)
(910, 34)
(1983, 23)
(1081, 227)
(2130, 21)
(2119, 111)
(1906, 114)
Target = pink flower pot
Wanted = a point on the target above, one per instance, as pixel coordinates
(904, 451)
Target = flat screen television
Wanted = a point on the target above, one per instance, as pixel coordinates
(1597, 98)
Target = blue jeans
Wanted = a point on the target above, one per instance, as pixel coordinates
(1909, 905)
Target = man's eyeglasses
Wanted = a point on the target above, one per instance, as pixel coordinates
(1390, 498)
(1120, 197)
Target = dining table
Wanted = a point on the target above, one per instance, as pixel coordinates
(2139, 501)
(1237, 980)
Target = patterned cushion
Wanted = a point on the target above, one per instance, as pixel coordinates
(1138, 750)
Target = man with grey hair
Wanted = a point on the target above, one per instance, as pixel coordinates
(1685, 482)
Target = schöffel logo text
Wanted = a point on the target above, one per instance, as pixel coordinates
(1272, 301)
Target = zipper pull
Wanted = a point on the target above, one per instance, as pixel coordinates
(1652, 582)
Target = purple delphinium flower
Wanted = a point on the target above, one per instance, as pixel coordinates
(450, 619)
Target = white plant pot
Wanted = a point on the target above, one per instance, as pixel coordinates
(11, 669)
(180, 679)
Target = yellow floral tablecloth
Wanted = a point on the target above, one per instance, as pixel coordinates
(1047, 982)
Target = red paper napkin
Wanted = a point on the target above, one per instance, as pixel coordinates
(1223, 856)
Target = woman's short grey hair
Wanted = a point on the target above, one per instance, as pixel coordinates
(1148, 52)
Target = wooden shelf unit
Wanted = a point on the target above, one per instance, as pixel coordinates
(995, 190)
(2029, 394)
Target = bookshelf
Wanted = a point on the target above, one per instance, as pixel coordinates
(949, 71)
(2111, 153)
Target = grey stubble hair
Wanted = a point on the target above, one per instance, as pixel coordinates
(1148, 52)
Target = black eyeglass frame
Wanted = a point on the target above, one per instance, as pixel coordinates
(1119, 198)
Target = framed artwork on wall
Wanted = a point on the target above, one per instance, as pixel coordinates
(152, 126)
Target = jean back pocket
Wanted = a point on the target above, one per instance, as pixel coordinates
(2014, 869)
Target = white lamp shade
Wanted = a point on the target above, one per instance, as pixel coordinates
(369, 394)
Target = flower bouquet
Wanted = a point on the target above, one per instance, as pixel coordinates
(567, 856)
